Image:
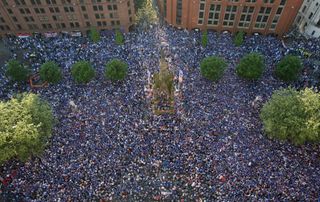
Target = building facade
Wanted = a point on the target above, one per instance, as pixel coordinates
(43, 16)
(251, 16)
(308, 19)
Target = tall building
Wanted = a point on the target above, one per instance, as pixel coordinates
(308, 19)
(29, 16)
(252, 16)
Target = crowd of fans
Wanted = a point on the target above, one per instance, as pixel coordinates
(111, 147)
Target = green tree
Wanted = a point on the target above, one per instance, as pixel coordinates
(238, 39)
(17, 72)
(293, 115)
(94, 35)
(119, 38)
(213, 68)
(288, 68)
(50, 72)
(139, 4)
(204, 38)
(82, 72)
(251, 66)
(26, 124)
(146, 15)
(163, 81)
(116, 70)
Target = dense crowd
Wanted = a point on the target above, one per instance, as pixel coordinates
(111, 147)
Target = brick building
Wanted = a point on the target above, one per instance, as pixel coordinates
(252, 16)
(30, 16)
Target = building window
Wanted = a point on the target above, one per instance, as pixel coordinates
(214, 14)
(179, 12)
(310, 16)
(276, 18)
(2, 20)
(263, 17)
(98, 8)
(230, 16)
(51, 2)
(5, 2)
(35, 2)
(268, 1)
(43, 18)
(201, 12)
(19, 27)
(246, 16)
(165, 8)
(14, 19)
(69, 9)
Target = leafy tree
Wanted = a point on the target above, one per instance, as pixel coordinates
(94, 35)
(139, 4)
(119, 38)
(26, 124)
(17, 72)
(116, 70)
(251, 66)
(163, 81)
(293, 115)
(204, 39)
(288, 68)
(146, 15)
(212, 68)
(50, 72)
(82, 72)
(238, 39)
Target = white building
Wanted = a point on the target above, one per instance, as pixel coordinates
(308, 19)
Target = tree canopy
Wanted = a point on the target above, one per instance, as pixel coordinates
(17, 72)
(163, 81)
(238, 39)
(94, 35)
(116, 70)
(293, 115)
(204, 38)
(119, 38)
(146, 15)
(50, 72)
(139, 4)
(82, 72)
(251, 66)
(288, 68)
(26, 123)
(212, 68)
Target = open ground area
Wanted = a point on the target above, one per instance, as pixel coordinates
(113, 148)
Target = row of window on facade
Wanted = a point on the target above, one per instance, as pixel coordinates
(215, 9)
(70, 17)
(282, 2)
(53, 2)
(60, 25)
(67, 9)
(245, 16)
